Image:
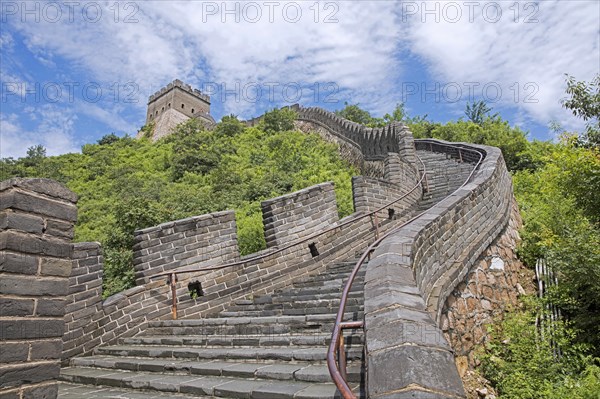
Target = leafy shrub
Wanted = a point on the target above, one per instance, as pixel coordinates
(279, 120)
(526, 363)
(128, 184)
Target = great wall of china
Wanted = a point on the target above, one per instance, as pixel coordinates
(259, 326)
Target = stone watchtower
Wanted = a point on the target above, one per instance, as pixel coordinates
(174, 104)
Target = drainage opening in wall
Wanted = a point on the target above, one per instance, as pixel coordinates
(391, 213)
(195, 289)
(313, 249)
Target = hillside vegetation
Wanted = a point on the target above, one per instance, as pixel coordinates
(126, 184)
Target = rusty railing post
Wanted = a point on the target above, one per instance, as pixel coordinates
(342, 357)
(173, 282)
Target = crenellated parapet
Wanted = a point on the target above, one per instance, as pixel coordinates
(362, 146)
(183, 86)
(375, 143)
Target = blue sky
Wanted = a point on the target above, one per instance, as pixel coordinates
(73, 72)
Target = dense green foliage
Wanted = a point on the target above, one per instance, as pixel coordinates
(126, 184)
(559, 203)
(523, 363)
(354, 113)
(584, 102)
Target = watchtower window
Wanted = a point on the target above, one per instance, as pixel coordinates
(163, 109)
(182, 106)
(169, 105)
(156, 112)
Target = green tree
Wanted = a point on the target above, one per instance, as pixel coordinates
(230, 126)
(279, 120)
(354, 113)
(558, 202)
(108, 139)
(584, 102)
(478, 112)
(35, 155)
(398, 115)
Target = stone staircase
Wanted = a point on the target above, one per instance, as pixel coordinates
(444, 175)
(270, 346)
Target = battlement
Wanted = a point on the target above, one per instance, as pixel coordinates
(183, 86)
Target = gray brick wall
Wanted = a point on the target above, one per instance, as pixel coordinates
(36, 222)
(91, 321)
(300, 214)
(200, 240)
(412, 273)
(371, 193)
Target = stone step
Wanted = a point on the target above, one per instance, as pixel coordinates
(331, 276)
(76, 391)
(326, 282)
(313, 354)
(228, 387)
(313, 323)
(358, 294)
(318, 290)
(292, 311)
(301, 371)
(270, 347)
(329, 303)
(294, 297)
(248, 340)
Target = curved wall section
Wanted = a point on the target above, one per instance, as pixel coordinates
(414, 270)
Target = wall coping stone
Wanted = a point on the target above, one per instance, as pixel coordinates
(47, 187)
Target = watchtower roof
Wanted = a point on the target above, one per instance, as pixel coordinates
(183, 86)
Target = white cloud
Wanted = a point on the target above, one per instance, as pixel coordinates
(362, 52)
(534, 56)
(181, 40)
(54, 131)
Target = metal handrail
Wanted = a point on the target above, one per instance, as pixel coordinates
(338, 370)
(172, 275)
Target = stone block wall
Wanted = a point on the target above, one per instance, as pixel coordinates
(84, 305)
(298, 215)
(489, 289)
(36, 222)
(91, 321)
(371, 193)
(208, 239)
(412, 273)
